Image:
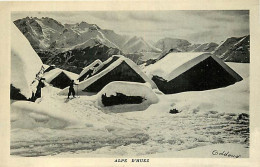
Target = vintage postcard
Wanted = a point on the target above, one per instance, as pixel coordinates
(123, 84)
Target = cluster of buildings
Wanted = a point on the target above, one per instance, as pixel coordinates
(174, 73)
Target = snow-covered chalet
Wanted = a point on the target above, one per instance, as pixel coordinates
(194, 71)
(116, 68)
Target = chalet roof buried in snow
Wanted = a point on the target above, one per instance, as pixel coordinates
(116, 68)
(178, 72)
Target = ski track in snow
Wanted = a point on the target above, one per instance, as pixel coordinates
(202, 121)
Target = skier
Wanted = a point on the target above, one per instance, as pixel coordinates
(71, 89)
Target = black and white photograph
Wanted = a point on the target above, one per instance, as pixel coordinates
(146, 83)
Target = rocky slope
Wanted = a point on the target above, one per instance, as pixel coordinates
(206, 47)
(76, 59)
(235, 49)
(47, 34)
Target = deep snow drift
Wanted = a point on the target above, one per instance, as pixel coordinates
(25, 63)
(128, 89)
(77, 127)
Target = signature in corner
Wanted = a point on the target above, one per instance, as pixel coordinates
(225, 154)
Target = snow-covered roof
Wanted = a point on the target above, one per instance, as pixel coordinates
(166, 67)
(174, 64)
(25, 63)
(49, 76)
(90, 67)
(120, 59)
(115, 64)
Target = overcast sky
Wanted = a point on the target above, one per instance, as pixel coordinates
(195, 26)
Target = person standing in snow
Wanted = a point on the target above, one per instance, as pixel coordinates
(38, 92)
(71, 89)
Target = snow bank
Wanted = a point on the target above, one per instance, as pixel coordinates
(25, 63)
(31, 115)
(94, 78)
(241, 69)
(129, 89)
(56, 124)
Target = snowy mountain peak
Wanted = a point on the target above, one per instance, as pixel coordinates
(52, 23)
(137, 45)
(47, 34)
(166, 44)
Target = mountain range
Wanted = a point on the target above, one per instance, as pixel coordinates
(234, 49)
(47, 34)
(74, 46)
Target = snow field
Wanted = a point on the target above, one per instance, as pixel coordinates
(66, 125)
(206, 118)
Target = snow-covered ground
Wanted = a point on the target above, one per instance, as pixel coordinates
(79, 127)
